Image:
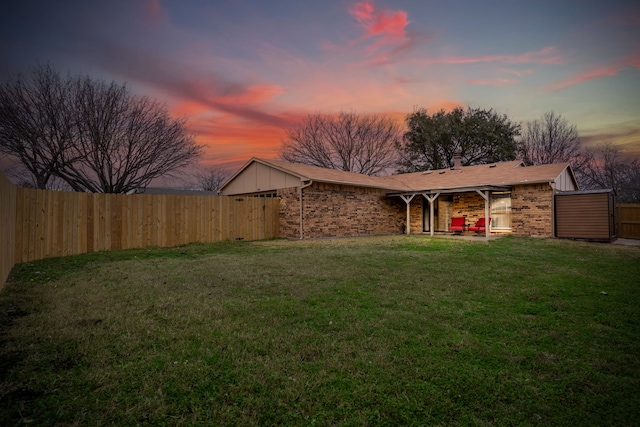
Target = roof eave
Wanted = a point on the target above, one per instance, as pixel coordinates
(358, 184)
(465, 189)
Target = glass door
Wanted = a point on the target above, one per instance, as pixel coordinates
(501, 211)
(445, 205)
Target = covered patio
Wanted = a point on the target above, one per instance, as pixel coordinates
(432, 196)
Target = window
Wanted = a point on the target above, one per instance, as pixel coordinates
(265, 195)
(501, 211)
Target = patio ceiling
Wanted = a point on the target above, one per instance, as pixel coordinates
(492, 188)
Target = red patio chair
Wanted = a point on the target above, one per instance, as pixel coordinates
(480, 226)
(457, 224)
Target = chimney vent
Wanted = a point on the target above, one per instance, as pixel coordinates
(457, 160)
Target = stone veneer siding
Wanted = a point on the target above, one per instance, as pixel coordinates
(332, 210)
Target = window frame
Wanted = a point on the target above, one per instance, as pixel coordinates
(507, 212)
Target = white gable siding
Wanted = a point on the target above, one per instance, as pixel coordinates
(564, 182)
(259, 178)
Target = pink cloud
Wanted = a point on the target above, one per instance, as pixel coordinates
(154, 12)
(517, 73)
(634, 61)
(604, 71)
(380, 22)
(246, 100)
(493, 82)
(388, 56)
(547, 55)
(385, 34)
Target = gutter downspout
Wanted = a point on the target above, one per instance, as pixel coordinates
(301, 221)
(552, 184)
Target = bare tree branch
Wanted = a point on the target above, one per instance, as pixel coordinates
(35, 122)
(349, 142)
(551, 139)
(211, 178)
(607, 168)
(94, 135)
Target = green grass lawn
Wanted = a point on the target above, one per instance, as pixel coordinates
(369, 331)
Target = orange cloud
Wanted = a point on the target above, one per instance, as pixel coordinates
(446, 105)
(231, 140)
(230, 143)
(187, 108)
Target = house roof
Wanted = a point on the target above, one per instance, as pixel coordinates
(318, 174)
(501, 174)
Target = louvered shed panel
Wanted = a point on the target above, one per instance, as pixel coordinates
(585, 215)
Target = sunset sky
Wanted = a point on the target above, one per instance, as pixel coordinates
(244, 70)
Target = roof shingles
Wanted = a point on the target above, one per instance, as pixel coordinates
(496, 174)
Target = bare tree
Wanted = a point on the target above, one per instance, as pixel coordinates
(607, 168)
(20, 176)
(96, 136)
(347, 141)
(551, 139)
(211, 178)
(36, 126)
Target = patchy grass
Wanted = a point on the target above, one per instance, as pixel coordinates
(368, 331)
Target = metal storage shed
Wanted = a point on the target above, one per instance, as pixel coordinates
(588, 215)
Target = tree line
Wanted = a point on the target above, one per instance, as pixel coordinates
(430, 141)
(90, 135)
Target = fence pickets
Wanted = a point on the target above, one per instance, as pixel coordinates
(628, 220)
(56, 223)
(7, 227)
(39, 224)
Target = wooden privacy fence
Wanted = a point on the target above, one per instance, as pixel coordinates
(628, 220)
(39, 224)
(7, 227)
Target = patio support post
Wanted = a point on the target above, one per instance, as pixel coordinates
(407, 200)
(431, 200)
(487, 223)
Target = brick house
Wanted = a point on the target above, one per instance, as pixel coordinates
(319, 202)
